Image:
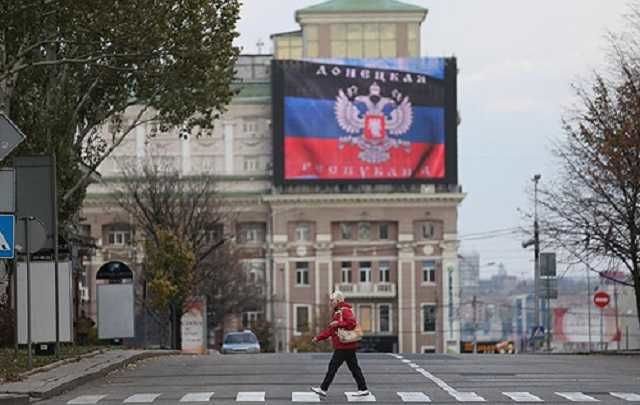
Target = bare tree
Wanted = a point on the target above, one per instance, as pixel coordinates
(187, 215)
(593, 209)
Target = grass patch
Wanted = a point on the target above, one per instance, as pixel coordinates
(11, 367)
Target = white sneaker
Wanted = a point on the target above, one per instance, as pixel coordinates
(319, 391)
(362, 393)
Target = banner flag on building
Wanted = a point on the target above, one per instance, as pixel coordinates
(365, 120)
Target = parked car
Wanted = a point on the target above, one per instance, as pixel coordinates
(240, 342)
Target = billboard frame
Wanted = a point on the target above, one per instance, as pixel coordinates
(450, 136)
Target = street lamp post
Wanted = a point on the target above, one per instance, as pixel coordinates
(536, 251)
(536, 246)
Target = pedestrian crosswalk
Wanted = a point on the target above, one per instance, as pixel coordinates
(308, 397)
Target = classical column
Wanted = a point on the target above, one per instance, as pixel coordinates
(450, 294)
(406, 294)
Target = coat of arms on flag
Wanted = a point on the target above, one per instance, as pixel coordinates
(374, 122)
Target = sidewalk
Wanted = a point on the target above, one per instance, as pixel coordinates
(51, 381)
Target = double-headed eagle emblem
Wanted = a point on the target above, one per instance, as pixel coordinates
(369, 118)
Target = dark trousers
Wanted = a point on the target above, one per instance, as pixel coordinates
(339, 357)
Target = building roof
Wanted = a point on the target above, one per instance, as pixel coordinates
(353, 6)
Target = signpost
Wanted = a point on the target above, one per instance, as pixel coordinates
(10, 136)
(7, 236)
(601, 299)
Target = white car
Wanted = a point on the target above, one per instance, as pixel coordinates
(240, 342)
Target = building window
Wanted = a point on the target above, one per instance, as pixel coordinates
(385, 272)
(413, 33)
(428, 272)
(388, 41)
(250, 319)
(345, 273)
(365, 272)
(250, 164)
(364, 230)
(302, 320)
(251, 232)
(213, 233)
(346, 230)
(312, 41)
(119, 238)
(303, 232)
(428, 318)
(249, 127)
(384, 317)
(338, 40)
(302, 273)
(364, 318)
(383, 231)
(289, 47)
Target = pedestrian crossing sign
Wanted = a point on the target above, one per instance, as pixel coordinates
(7, 236)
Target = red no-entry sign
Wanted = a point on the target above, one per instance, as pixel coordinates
(601, 299)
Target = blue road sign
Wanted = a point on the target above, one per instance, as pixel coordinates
(7, 236)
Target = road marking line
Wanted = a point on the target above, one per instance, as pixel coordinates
(305, 397)
(250, 397)
(141, 398)
(577, 397)
(353, 397)
(414, 397)
(627, 396)
(466, 396)
(459, 396)
(197, 397)
(523, 397)
(406, 361)
(86, 399)
(413, 365)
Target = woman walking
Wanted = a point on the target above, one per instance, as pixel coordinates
(343, 318)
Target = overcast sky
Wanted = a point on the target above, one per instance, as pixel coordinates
(517, 61)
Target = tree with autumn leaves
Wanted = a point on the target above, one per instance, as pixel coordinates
(592, 210)
(187, 252)
(78, 77)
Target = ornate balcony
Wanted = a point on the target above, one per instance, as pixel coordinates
(367, 290)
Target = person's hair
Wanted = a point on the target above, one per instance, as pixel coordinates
(337, 296)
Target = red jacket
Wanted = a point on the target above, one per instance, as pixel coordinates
(345, 321)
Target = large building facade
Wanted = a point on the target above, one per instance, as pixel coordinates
(391, 249)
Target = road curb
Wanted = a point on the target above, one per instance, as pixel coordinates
(92, 372)
(60, 363)
(69, 385)
(10, 399)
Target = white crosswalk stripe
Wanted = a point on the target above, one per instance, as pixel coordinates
(577, 397)
(86, 399)
(627, 396)
(305, 397)
(523, 397)
(253, 396)
(197, 397)
(354, 397)
(466, 396)
(414, 397)
(141, 398)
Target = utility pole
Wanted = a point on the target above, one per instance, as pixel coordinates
(474, 304)
(615, 302)
(589, 305)
(536, 251)
(535, 241)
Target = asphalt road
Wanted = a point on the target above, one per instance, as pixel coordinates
(392, 379)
